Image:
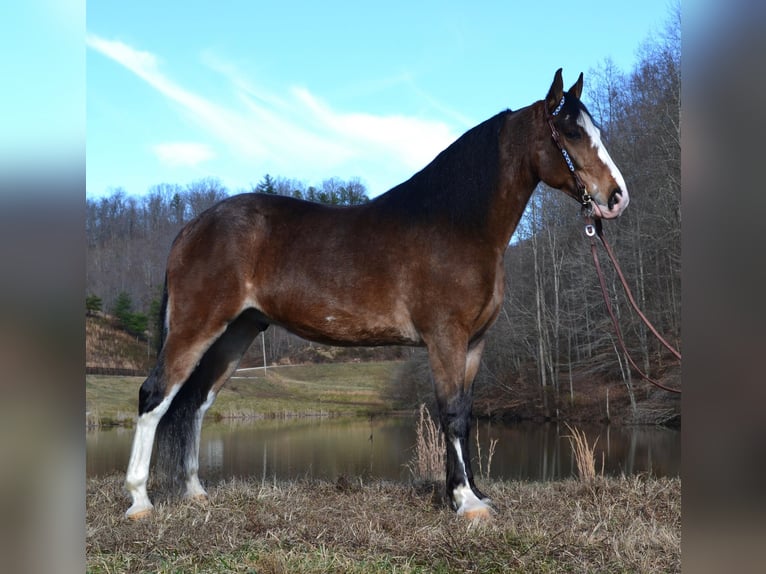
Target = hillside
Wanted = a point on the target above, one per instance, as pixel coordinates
(109, 349)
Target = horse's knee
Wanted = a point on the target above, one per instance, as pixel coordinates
(455, 416)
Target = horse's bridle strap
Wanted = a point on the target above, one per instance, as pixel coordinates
(585, 198)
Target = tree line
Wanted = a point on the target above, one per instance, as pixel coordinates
(553, 329)
(129, 237)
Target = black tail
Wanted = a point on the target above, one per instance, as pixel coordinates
(162, 327)
(176, 432)
(153, 389)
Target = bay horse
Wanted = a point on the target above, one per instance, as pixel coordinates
(420, 265)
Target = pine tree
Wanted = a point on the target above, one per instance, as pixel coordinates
(92, 304)
(266, 185)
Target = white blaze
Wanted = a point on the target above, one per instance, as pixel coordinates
(595, 137)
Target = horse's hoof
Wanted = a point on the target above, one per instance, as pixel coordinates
(476, 510)
(139, 514)
(198, 498)
(478, 513)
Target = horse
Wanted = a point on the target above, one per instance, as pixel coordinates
(420, 265)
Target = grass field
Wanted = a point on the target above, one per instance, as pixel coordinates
(610, 525)
(332, 389)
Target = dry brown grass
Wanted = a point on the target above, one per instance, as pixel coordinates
(108, 346)
(614, 525)
(430, 449)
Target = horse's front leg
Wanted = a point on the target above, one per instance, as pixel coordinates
(453, 369)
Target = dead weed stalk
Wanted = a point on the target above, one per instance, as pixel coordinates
(584, 454)
(484, 471)
(428, 461)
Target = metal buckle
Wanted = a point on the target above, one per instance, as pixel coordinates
(590, 230)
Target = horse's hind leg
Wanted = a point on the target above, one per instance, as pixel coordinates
(182, 351)
(217, 366)
(194, 489)
(143, 441)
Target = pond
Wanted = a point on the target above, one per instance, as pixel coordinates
(326, 448)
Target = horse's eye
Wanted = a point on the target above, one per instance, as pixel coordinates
(572, 134)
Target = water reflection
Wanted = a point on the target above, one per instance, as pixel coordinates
(542, 451)
(381, 448)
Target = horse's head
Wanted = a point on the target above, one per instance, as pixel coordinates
(574, 151)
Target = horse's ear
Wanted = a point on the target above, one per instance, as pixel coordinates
(576, 89)
(555, 93)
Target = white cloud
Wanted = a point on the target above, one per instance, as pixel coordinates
(219, 121)
(142, 63)
(295, 134)
(411, 141)
(183, 154)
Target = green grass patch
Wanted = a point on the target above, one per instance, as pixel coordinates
(317, 389)
(111, 399)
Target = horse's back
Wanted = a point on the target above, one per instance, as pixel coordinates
(342, 275)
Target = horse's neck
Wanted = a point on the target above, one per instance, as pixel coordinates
(479, 186)
(518, 172)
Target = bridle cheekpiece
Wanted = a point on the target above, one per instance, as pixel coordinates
(585, 198)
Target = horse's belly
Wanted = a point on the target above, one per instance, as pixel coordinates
(345, 319)
(363, 325)
(341, 329)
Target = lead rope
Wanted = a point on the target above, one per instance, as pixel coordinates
(592, 230)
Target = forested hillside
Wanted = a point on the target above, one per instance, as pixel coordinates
(553, 337)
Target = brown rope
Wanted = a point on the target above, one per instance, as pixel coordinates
(598, 231)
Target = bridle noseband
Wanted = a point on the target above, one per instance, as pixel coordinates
(585, 198)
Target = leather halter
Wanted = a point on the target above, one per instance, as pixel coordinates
(585, 198)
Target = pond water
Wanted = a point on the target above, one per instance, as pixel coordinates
(326, 448)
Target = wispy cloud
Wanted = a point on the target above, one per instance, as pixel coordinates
(291, 130)
(218, 120)
(183, 154)
(411, 141)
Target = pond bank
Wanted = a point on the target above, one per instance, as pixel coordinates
(338, 389)
(365, 389)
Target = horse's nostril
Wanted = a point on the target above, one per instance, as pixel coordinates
(614, 198)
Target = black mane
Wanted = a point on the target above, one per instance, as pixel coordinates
(457, 186)
(573, 107)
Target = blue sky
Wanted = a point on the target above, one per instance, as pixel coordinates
(177, 91)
